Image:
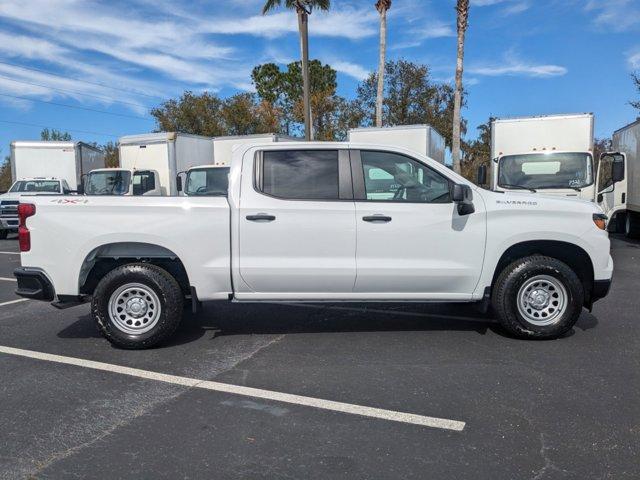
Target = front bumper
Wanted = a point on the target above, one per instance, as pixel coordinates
(8, 223)
(34, 284)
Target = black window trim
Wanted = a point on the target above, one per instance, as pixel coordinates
(359, 190)
(345, 187)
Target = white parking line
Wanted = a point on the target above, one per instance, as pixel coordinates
(11, 302)
(8, 279)
(361, 410)
(9, 253)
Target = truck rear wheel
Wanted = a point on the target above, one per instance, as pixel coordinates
(538, 297)
(137, 306)
(4, 234)
(632, 225)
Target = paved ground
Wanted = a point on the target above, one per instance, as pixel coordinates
(562, 409)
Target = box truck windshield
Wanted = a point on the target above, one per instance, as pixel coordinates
(207, 181)
(546, 170)
(108, 182)
(36, 186)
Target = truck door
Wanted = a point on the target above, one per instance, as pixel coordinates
(296, 224)
(411, 242)
(612, 191)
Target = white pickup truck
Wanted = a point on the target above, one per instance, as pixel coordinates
(317, 222)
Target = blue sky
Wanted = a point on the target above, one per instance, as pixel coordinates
(522, 56)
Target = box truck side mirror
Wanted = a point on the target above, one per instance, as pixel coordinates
(179, 182)
(482, 175)
(617, 169)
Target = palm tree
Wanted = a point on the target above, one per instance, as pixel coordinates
(303, 9)
(462, 9)
(382, 6)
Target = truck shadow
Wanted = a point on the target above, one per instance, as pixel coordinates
(227, 319)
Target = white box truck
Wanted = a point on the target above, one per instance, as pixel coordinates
(212, 180)
(552, 154)
(61, 160)
(44, 167)
(149, 164)
(423, 139)
(223, 146)
(619, 180)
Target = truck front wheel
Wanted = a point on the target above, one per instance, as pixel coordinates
(632, 225)
(538, 297)
(137, 305)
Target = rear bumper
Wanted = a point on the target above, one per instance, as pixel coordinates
(34, 284)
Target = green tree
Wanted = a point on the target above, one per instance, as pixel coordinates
(462, 10)
(5, 174)
(382, 6)
(191, 113)
(282, 90)
(244, 115)
(477, 152)
(303, 9)
(111, 154)
(411, 97)
(636, 81)
(54, 135)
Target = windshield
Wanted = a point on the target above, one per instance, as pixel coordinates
(36, 186)
(108, 183)
(208, 181)
(546, 170)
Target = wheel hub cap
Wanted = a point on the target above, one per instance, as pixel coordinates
(542, 300)
(134, 308)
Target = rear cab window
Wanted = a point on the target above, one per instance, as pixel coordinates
(303, 174)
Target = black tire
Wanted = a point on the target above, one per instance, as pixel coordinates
(621, 222)
(167, 291)
(632, 225)
(4, 234)
(505, 293)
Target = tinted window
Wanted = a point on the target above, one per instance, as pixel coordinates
(301, 174)
(143, 182)
(397, 178)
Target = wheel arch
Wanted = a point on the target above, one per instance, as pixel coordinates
(104, 258)
(571, 254)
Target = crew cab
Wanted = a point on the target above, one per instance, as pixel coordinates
(317, 222)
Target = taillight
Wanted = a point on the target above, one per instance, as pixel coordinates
(25, 210)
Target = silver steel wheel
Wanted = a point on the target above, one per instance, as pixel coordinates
(542, 300)
(134, 308)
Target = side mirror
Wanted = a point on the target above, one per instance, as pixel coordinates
(179, 183)
(617, 169)
(463, 196)
(80, 189)
(600, 198)
(482, 175)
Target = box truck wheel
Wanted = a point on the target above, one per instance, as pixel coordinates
(137, 305)
(3, 234)
(537, 297)
(632, 225)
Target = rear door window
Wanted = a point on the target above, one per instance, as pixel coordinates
(300, 174)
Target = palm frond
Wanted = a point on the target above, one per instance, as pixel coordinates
(270, 5)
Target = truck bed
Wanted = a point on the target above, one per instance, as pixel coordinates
(196, 230)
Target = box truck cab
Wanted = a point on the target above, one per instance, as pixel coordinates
(149, 164)
(550, 154)
(619, 180)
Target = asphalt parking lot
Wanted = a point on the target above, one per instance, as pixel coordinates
(561, 409)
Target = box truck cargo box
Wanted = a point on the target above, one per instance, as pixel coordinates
(423, 139)
(223, 146)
